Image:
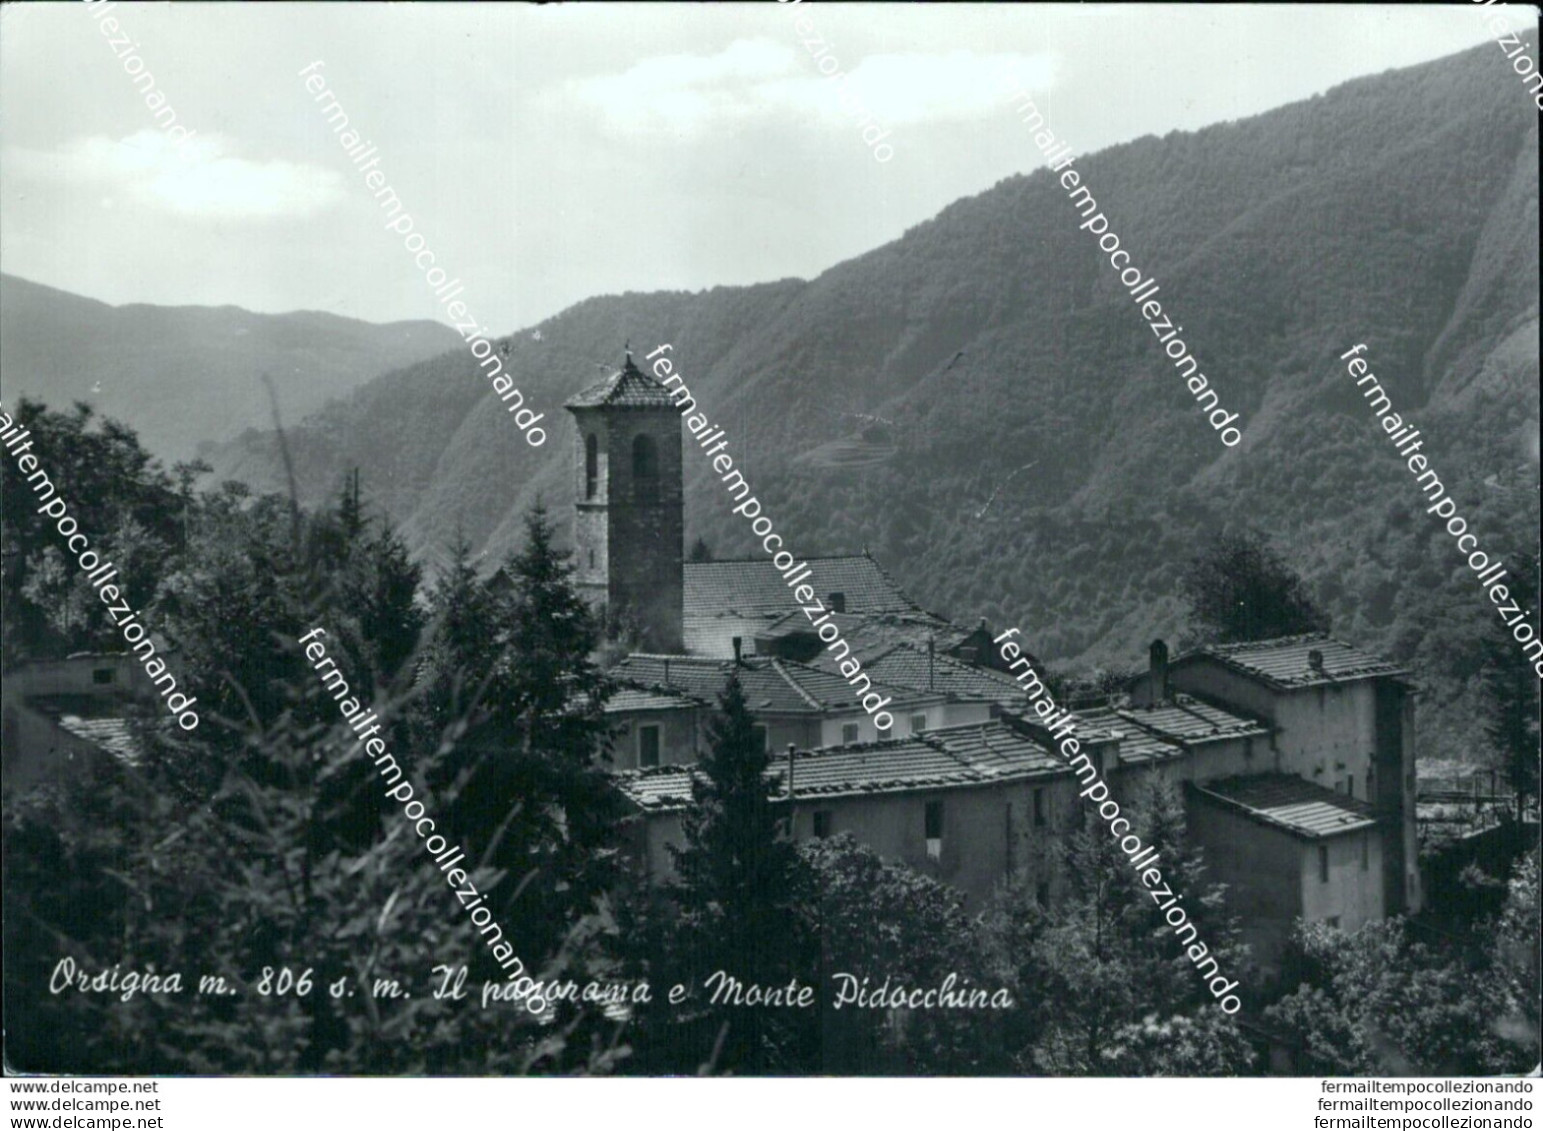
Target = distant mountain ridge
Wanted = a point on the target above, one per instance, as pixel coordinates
(1399, 210)
(181, 375)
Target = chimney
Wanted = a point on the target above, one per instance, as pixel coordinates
(929, 662)
(739, 642)
(837, 602)
(1315, 661)
(667, 672)
(1159, 676)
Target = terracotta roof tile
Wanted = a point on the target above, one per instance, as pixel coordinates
(1137, 746)
(949, 758)
(1187, 719)
(908, 666)
(753, 586)
(628, 387)
(1284, 662)
(1296, 805)
(99, 723)
(771, 685)
(650, 699)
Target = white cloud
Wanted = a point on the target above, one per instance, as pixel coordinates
(198, 179)
(758, 77)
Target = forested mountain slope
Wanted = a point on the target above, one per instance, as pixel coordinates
(1399, 210)
(180, 375)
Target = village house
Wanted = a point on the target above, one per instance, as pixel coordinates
(1295, 757)
(58, 716)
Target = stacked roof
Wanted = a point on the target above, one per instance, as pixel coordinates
(771, 686)
(1292, 804)
(1186, 719)
(1164, 731)
(871, 633)
(949, 758)
(650, 699)
(1286, 662)
(1137, 746)
(909, 666)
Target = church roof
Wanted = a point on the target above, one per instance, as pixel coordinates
(752, 586)
(628, 387)
(1285, 662)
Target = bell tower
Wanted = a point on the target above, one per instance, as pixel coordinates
(629, 521)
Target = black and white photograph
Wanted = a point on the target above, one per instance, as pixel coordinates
(793, 540)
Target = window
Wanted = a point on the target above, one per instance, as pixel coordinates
(918, 723)
(1039, 808)
(645, 470)
(1350, 784)
(849, 733)
(102, 675)
(1370, 793)
(591, 465)
(1366, 851)
(648, 745)
(822, 823)
(1042, 894)
(592, 559)
(762, 739)
(1332, 921)
(933, 820)
(1323, 863)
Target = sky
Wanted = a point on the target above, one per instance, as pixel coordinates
(547, 154)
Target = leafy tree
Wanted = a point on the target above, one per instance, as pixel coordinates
(1205, 1042)
(1241, 589)
(118, 869)
(737, 879)
(1102, 967)
(1516, 959)
(879, 921)
(1376, 1002)
(121, 499)
(264, 839)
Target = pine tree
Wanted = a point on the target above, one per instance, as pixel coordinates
(736, 888)
(522, 761)
(456, 660)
